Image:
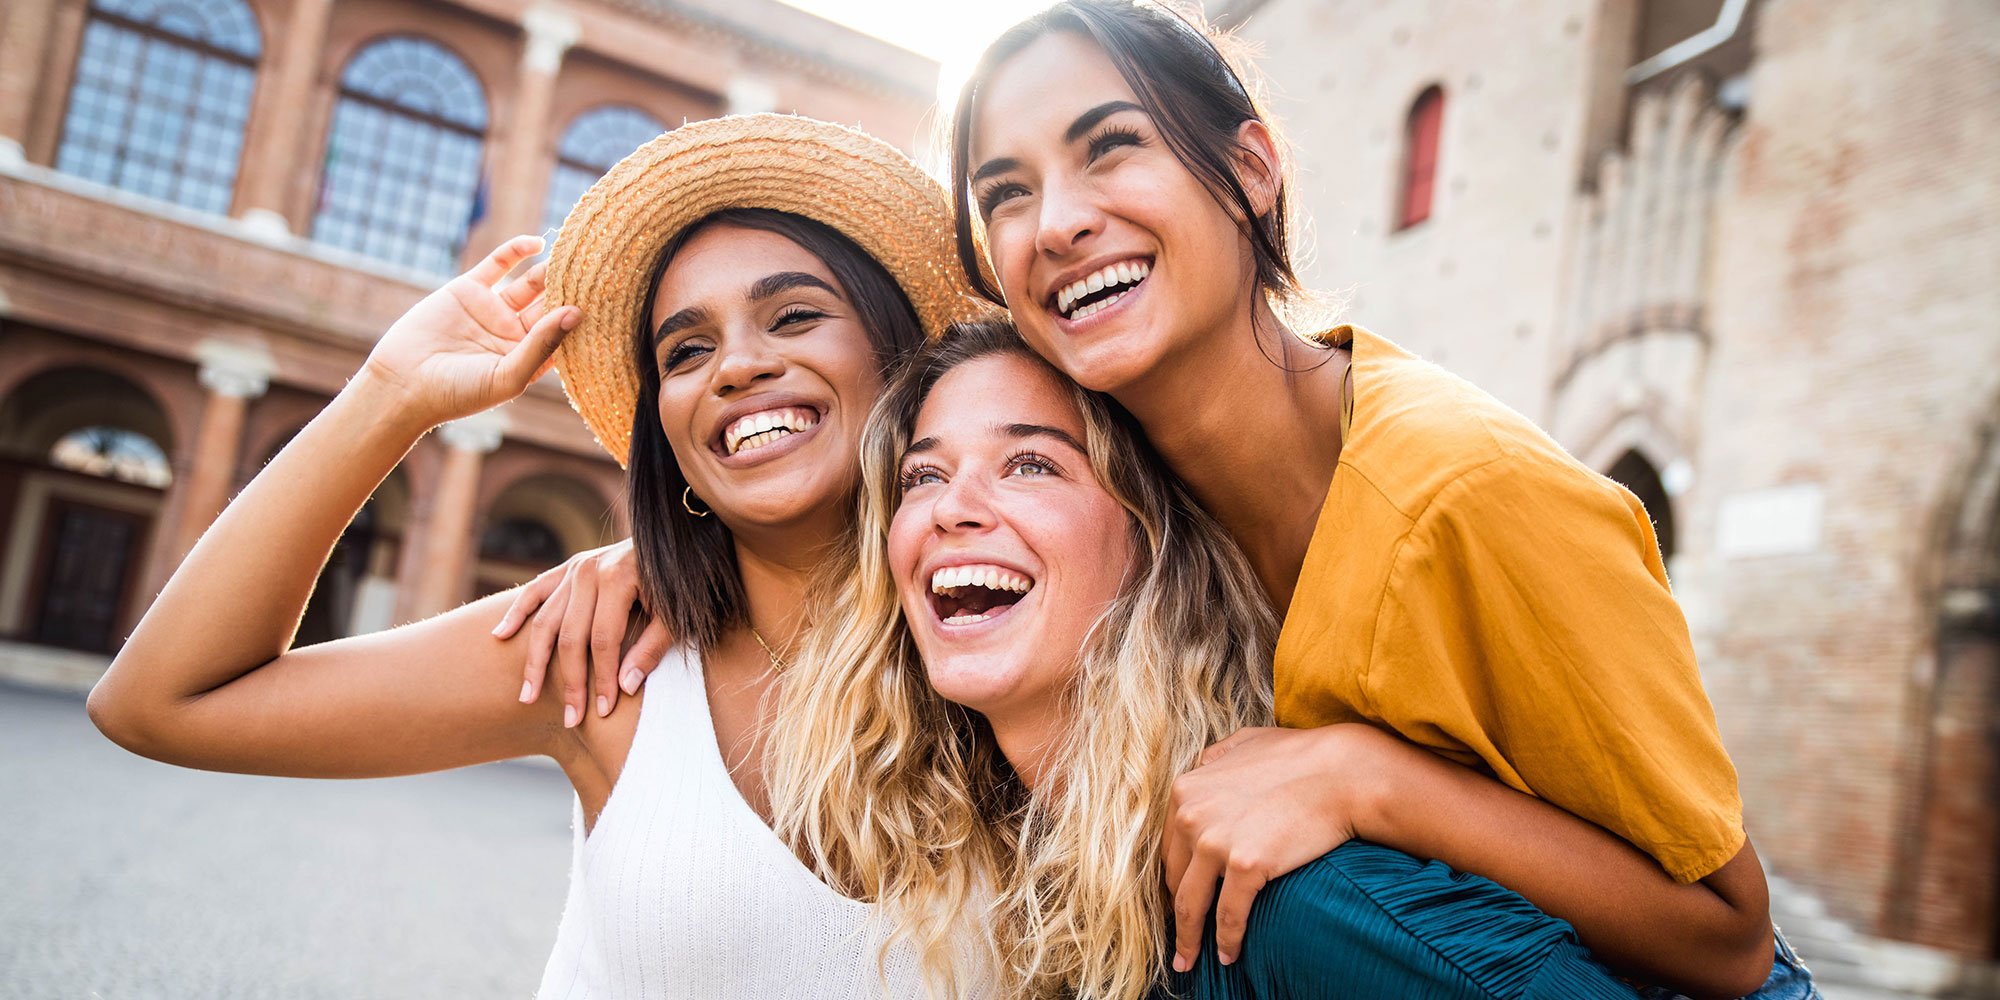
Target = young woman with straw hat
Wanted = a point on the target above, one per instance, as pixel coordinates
(731, 294)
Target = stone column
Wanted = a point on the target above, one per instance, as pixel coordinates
(233, 374)
(441, 570)
(520, 159)
(275, 138)
(24, 35)
(749, 94)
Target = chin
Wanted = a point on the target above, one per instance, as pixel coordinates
(980, 683)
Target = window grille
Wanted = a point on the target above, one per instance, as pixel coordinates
(594, 141)
(402, 181)
(159, 98)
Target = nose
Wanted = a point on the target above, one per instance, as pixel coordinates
(963, 504)
(746, 358)
(1069, 215)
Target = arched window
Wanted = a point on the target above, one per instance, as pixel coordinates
(1633, 472)
(593, 142)
(402, 182)
(522, 540)
(1420, 157)
(161, 91)
(114, 453)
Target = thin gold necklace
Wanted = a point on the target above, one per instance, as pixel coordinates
(777, 662)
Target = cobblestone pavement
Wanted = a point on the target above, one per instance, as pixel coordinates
(121, 878)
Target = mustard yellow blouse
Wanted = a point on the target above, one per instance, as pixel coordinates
(1472, 587)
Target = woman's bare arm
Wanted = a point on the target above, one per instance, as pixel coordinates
(208, 679)
(579, 615)
(1266, 801)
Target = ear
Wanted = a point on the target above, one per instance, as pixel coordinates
(1257, 165)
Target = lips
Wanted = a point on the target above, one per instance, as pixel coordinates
(971, 593)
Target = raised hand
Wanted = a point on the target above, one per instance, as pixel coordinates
(475, 343)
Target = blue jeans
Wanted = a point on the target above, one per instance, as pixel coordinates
(1368, 923)
(1789, 979)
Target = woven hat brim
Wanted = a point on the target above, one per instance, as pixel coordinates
(861, 186)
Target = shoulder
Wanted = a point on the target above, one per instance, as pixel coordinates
(1434, 444)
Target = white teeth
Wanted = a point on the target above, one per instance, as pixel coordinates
(990, 577)
(1121, 273)
(758, 429)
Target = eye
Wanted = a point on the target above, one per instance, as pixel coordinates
(1031, 464)
(994, 195)
(681, 353)
(921, 475)
(794, 316)
(1111, 138)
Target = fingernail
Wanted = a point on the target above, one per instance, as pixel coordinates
(1180, 963)
(570, 321)
(497, 629)
(571, 716)
(527, 692)
(1226, 957)
(630, 681)
(603, 706)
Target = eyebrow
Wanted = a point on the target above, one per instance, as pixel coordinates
(785, 281)
(1083, 123)
(995, 166)
(679, 321)
(763, 288)
(1089, 119)
(1016, 431)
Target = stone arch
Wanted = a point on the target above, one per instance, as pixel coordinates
(73, 538)
(533, 523)
(1635, 472)
(357, 588)
(1945, 879)
(41, 408)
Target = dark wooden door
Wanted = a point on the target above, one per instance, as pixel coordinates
(90, 554)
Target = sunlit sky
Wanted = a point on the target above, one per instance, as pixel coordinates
(951, 31)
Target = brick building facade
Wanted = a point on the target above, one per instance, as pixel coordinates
(1744, 257)
(209, 211)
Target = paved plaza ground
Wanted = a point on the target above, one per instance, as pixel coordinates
(123, 878)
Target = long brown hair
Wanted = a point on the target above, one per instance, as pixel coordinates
(687, 562)
(1176, 65)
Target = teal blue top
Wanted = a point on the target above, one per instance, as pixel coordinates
(1368, 923)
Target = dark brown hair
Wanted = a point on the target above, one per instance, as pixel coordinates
(1187, 85)
(688, 576)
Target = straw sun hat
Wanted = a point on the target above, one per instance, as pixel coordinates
(861, 186)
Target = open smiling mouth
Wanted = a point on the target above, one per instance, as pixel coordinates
(1099, 291)
(768, 427)
(967, 595)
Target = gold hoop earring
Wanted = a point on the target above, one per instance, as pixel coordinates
(687, 494)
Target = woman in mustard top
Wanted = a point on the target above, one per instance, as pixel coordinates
(1448, 574)
(1451, 575)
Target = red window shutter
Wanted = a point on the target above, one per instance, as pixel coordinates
(1420, 154)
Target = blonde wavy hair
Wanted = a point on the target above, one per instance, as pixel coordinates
(902, 798)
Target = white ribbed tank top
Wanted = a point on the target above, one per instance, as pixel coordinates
(680, 890)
